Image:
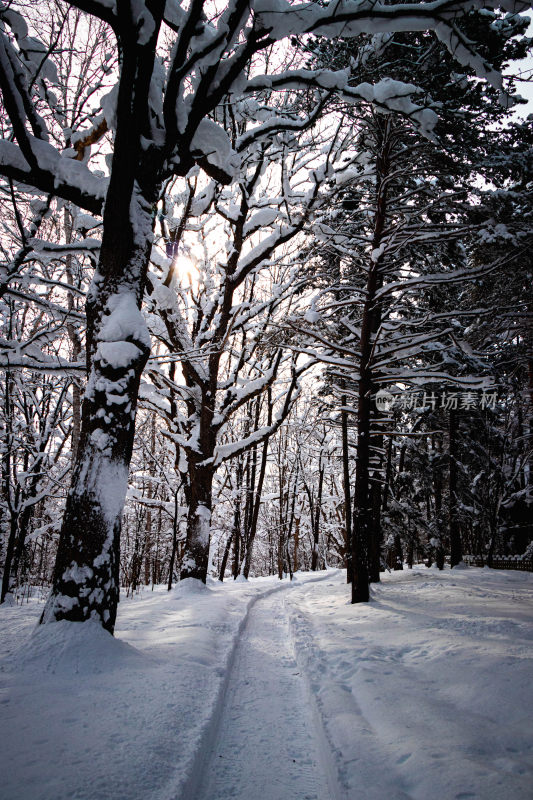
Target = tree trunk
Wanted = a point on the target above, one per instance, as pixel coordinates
(362, 515)
(256, 496)
(296, 564)
(174, 541)
(361, 512)
(225, 557)
(456, 553)
(148, 545)
(7, 578)
(85, 583)
(24, 521)
(256, 506)
(316, 520)
(86, 573)
(237, 531)
(410, 553)
(529, 441)
(289, 565)
(398, 553)
(6, 487)
(388, 477)
(437, 490)
(236, 542)
(374, 561)
(75, 342)
(196, 556)
(346, 486)
(281, 554)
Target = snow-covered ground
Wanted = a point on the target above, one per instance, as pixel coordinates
(280, 690)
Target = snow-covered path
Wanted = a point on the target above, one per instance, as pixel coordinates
(264, 690)
(265, 737)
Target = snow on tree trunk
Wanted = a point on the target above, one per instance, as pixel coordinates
(86, 572)
(85, 583)
(362, 530)
(361, 510)
(196, 556)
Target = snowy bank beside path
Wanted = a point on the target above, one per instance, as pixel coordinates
(425, 693)
(88, 717)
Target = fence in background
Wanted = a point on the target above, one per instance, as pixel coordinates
(501, 562)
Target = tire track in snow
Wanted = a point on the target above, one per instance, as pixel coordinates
(264, 736)
(403, 718)
(356, 752)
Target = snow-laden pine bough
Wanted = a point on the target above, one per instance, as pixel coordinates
(160, 118)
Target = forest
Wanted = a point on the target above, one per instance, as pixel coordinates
(266, 296)
(266, 377)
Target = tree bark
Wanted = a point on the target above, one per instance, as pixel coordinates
(456, 553)
(362, 514)
(257, 499)
(75, 342)
(374, 561)
(86, 573)
(196, 556)
(225, 557)
(346, 486)
(237, 530)
(6, 476)
(398, 553)
(296, 563)
(174, 541)
(10, 549)
(316, 520)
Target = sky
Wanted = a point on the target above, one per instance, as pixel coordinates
(525, 67)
